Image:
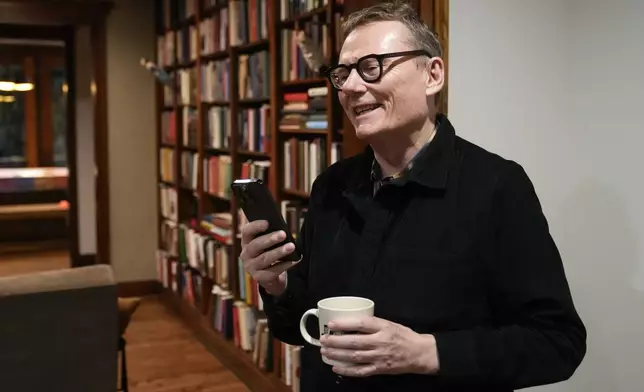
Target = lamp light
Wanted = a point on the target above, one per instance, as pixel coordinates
(24, 86)
(12, 86)
(7, 86)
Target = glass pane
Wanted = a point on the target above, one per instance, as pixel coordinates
(59, 116)
(12, 119)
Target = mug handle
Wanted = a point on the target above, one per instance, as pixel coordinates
(304, 332)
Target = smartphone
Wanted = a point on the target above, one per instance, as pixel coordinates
(258, 203)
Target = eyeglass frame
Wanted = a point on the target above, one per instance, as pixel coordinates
(379, 58)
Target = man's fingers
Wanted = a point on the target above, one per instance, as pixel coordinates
(251, 229)
(357, 370)
(357, 324)
(355, 341)
(257, 246)
(350, 356)
(267, 258)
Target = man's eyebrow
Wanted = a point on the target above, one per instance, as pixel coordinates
(351, 60)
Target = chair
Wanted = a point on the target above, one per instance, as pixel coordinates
(126, 306)
(58, 331)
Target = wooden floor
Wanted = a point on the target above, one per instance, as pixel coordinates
(164, 356)
(29, 262)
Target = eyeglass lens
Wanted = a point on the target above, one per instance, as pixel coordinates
(368, 68)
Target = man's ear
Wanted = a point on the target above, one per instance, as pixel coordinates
(435, 76)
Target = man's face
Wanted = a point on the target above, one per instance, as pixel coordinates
(398, 100)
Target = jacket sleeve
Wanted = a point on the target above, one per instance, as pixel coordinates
(536, 336)
(284, 312)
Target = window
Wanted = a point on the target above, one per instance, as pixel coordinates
(12, 119)
(33, 122)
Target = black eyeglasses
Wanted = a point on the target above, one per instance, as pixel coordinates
(369, 67)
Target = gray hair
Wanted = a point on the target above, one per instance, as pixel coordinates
(422, 37)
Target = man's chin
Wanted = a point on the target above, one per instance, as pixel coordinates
(367, 131)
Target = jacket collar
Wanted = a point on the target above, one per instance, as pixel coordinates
(430, 166)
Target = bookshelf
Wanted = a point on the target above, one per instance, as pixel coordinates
(241, 102)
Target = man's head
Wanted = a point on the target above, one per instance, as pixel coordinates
(398, 93)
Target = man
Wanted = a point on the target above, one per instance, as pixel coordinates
(447, 239)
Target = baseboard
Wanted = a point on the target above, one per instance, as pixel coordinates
(139, 288)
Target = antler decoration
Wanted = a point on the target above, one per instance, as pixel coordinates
(310, 50)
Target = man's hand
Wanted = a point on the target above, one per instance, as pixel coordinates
(379, 347)
(255, 258)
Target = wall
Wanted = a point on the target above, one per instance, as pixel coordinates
(556, 85)
(132, 131)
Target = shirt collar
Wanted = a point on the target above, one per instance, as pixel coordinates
(430, 165)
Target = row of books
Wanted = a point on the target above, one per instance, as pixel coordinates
(188, 170)
(248, 21)
(216, 125)
(293, 211)
(168, 125)
(253, 80)
(187, 86)
(254, 76)
(213, 32)
(168, 202)
(305, 110)
(200, 271)
(217, 175)
(187, 44)
(234, 318)
(172, 12)
(254, 129)
(166, 164)
(305, 159)
(217, 172)
(215, 81)
(290, 9)
(241, 22)
(294, 65)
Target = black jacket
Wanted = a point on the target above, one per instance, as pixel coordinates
(459, 248)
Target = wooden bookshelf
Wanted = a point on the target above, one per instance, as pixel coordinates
(202, 149)
(297, 129)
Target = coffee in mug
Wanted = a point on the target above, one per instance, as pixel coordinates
(335, 308)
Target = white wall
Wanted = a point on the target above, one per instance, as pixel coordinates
(557, 86)
(132, 152)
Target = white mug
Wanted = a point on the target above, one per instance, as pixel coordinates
(335, 308)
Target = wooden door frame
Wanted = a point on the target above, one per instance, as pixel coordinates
(40, 19)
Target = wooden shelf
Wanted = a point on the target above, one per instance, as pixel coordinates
(194, 204)
(296, 193)
(256, 154)
(254, 101)
(235, 359)
(305, 131)
(226, 110)
(304, 82)
(305, 17)
(219, 55)
(250, 47)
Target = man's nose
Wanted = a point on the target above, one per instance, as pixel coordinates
(354, 83)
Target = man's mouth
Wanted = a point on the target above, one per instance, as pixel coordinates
(362, 109)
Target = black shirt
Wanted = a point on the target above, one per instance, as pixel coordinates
(459, 248)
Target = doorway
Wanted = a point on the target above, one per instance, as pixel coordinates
(34, 172)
